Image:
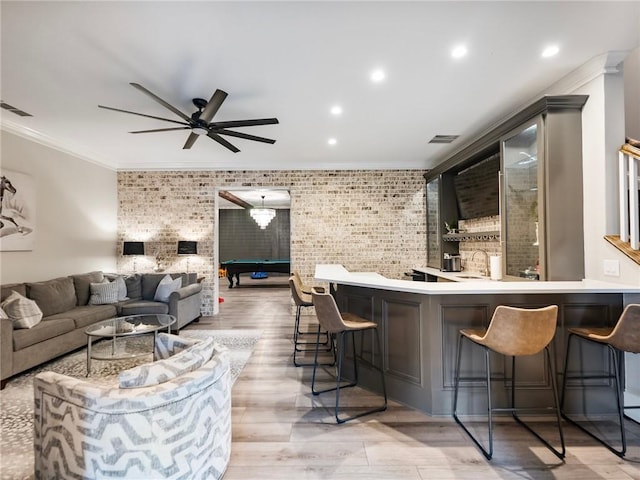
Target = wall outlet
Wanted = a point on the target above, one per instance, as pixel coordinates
(612, 268)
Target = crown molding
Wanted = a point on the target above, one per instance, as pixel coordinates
(47, 141)
(609, 63)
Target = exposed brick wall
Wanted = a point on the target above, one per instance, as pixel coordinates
(367, 220)
(492, 247)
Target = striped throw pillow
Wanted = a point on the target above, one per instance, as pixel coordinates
(103, 293)
(22, 311)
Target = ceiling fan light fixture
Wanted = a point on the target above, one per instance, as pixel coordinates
(200, 130)
(199, 123)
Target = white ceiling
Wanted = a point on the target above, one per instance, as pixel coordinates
(293, 61)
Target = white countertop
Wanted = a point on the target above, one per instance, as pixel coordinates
(340, 275)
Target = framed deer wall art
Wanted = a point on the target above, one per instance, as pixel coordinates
(17, 211)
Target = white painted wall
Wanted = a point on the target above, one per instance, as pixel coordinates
(76, 213)
(632, 129)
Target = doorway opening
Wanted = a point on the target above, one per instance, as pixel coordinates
(246, 254)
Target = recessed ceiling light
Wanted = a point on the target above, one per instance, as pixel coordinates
(332, 141)
(377, 75)
(550, 51)
(459, 51)
(336, 110)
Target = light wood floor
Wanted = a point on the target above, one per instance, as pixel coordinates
(280, 431)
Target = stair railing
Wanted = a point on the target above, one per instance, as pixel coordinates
(628, 168)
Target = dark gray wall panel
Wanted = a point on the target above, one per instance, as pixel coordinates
(240, 236)
(402, 334)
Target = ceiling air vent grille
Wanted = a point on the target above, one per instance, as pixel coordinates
(15, 110)
(443, 138)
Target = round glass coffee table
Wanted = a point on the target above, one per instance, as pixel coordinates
(121, 327)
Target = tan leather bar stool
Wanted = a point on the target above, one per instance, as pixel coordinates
(624, 337)
(304, 288)
(512, 332)
(331, 320)
(302, 300)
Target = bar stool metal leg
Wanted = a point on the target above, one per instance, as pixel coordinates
(488, 452)
(296, 343)
(297, 333)
(614, 354)
(556, 402)
(340, 354)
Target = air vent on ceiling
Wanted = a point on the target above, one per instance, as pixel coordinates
(443, 138)
(15, 110)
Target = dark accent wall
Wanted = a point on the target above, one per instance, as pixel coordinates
(240, 236)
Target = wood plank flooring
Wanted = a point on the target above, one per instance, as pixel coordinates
(281, 431)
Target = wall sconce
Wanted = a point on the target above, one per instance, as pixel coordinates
(187, 247)
(133, 248)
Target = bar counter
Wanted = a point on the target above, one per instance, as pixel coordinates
(419, 324)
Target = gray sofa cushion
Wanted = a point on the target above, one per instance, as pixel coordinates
(137, 307)
(82, 284)
(53, 296)
(21, 288)
(45, 330)
(134, 286)
(87, 314)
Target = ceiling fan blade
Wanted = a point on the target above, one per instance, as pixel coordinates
(223, 142)
(161, 130)
(214, 104)
(246, 136)
(161, 101)
(244, 123)
(190, 141)
(141, 114)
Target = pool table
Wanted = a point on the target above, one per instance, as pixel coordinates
(236, 267)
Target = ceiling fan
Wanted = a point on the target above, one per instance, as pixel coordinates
(200, 122)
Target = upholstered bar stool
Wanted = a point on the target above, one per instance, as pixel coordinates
(624, 337)
(513, 332)
(331, 320)
(304, 288)
(302, 300)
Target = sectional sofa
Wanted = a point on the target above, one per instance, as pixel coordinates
(66, 313)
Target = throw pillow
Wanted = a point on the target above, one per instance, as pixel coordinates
(82, 283)
(103, 293)
(166, 287)
(122, 288)
(134, 286)
(22, 311)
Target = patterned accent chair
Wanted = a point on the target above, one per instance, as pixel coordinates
(166, 419)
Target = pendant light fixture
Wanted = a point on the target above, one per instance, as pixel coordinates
(263, 216)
